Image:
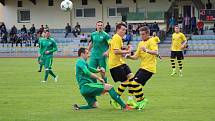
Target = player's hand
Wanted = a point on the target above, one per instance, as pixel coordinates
(127, 55)
(102, 70)
(101, 80)
(183, 47)
(144, 48)
(106, 54)
(47, 52)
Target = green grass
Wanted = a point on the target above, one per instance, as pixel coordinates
(24, 98)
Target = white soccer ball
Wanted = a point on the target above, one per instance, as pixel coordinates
(66, 5)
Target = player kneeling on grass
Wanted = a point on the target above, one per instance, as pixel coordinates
(89, 89)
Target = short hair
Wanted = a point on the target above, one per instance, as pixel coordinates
(119, 25)
(145, 29)
(99, 21)
(81, 50)
(176, 26)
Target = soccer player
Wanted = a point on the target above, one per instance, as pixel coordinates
(157, 40)
(118, 68)
(99, 46)
(90, 89)
(178, 44)
(147, 51)
(39, 59)
(48, 47)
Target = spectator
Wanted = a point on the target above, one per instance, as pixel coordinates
(13, 35)
(209, 5)
(193, 24)
(107, 28)
(68, 29)
(155, 27)
(78, 28)
(180, 21)
(32, 29)
(128, 38)
(171, 24)
(200, 26)
(46, 27)
(187, 24)
(40, 31)
(83, 38)
(24, 30)
(4, 34)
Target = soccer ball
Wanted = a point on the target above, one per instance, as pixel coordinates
(66, 5)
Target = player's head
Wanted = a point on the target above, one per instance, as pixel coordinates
(144, 32)
(121, 29)
(176, 28)
(84, 53)
(99, 25)
(47, 34)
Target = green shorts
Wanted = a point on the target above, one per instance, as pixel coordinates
(47, 62)
(98, 62)
(90, 91)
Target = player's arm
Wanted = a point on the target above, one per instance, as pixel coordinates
(153, 48)
(184, 41)
(108, 39)
(54, 47)
(90, 46)
(152, 52)
(89, 73)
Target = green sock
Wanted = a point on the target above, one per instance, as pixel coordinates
(86, 107)
(116, 97)
(51, 72)
(105, 79)
(46, 75)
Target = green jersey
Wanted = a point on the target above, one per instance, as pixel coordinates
(83, 72)
(47, 45)
(100, 42)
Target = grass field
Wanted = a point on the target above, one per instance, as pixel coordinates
(24, 98)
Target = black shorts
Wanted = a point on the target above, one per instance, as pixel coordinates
(120, 73)
(142, 76)
(178, 54)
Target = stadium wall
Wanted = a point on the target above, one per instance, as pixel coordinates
(40, 13)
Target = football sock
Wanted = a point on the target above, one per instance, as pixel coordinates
(86, 107)
(116, 97)
(46, 75)
(137, 90)
(180, 65)
(173, 63)
(51, 72)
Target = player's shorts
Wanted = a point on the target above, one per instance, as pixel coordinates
(90, 91)
(98, 62)
(48, 62)
(120, 73)
(142, 76)
(177, 54)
